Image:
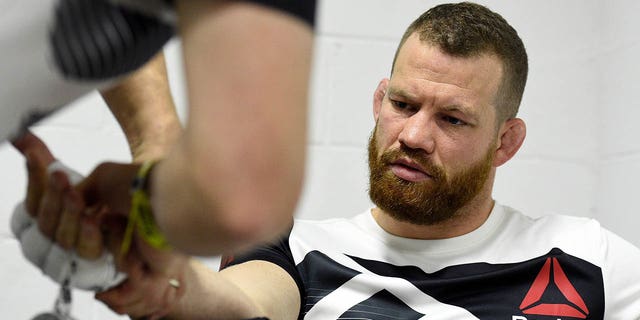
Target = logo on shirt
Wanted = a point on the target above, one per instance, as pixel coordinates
(532, 303)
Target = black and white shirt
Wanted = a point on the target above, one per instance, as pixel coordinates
(513, 267)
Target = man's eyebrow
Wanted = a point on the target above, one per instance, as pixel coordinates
(400, 93)
(456, 107)
(461, 108)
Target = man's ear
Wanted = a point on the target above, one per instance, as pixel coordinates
(378, 97)
(510, 139)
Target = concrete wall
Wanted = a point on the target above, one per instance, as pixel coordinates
(581, 155)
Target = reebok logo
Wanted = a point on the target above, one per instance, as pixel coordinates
(532, 304)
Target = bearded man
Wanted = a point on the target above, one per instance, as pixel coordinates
(437, 245)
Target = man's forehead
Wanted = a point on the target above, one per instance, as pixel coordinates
(431, 57)
(420, 65)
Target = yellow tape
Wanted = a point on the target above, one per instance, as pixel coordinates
(141, 215)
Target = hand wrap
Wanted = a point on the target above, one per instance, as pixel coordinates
(54, 261)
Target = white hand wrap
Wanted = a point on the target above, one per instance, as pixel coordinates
(56, 262)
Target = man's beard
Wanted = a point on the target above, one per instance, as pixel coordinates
(429, 202)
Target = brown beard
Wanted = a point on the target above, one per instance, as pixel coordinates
(429, 202)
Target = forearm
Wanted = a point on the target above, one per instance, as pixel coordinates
(252, 289)
(210, 295)
(143, 106)
(234, 178)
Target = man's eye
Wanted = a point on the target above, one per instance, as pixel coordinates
(399, 104)
(404, 106)
(454, 121)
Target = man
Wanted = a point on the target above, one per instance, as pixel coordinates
(436, 245)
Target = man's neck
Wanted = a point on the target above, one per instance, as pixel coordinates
(467, 219)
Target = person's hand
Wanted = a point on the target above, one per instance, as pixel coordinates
(109, 186)
(57, 207)
(155, 280)
(154, 283)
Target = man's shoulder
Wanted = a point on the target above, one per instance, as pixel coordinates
(553, 221)
(583, 237)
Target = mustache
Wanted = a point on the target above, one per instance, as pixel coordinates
(418, 156)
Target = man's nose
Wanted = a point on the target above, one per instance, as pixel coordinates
(417, 132)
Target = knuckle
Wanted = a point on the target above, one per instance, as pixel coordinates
(64, 238)
(46, 229)
(64, 242)
(89, 253)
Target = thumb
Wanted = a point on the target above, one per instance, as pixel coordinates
(38, 159)
(30, 142)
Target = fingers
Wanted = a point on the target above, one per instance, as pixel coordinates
(61, 218)
(28, 142)
(37, 163)
(51, 206)
(89, 244)
(113, 229)
(142, 294)
(38, 159)
(69, 223)
(147, 290)
(146, 296)
(123, 298)
(130, 291)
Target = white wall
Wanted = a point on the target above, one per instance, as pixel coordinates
(618, 106)
(580, 157)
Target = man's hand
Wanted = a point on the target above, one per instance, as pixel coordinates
(154, 283)
(155, 280)
(57, 207)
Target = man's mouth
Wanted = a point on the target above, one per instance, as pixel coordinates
(408, 170)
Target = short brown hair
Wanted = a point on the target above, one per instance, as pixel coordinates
(468, 29)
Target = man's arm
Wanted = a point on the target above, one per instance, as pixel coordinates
(236, 175)
(251, 289)
(143, 106)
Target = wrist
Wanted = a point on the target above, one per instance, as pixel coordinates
(156, 145)
(141, 219)
(154, 140)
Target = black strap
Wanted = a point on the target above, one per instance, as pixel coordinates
(94, 40)
(303, 9)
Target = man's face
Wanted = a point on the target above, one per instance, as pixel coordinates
(432, 150)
